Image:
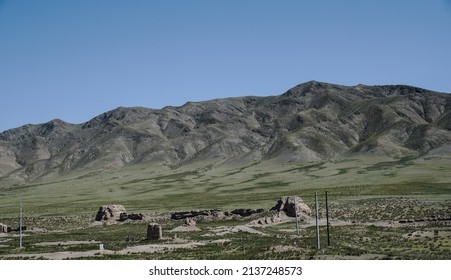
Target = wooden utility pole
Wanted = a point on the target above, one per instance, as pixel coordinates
(297, 219)
(318, 245)
(327, 220)
(20, 225)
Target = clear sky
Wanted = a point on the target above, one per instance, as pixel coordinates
(76, 59)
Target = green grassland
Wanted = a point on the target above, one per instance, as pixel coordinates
(369, 195)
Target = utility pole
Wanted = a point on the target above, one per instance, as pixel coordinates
(20, 226)
(297, 219)
(327, 220)
(318, 245)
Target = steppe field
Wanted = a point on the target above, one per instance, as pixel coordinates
(379, 208)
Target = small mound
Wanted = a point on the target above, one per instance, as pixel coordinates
(185, 229)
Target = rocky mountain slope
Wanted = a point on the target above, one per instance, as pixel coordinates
(311, 122)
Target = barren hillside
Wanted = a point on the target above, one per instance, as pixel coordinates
(311, 122)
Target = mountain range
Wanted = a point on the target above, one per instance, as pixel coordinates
(311, 122)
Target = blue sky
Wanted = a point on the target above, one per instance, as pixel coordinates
(74, 60)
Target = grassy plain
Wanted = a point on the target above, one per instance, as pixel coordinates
(368, 196)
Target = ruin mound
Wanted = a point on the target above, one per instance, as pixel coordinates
(109, 213)
(292, 204)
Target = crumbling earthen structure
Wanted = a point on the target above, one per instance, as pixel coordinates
(154, 232)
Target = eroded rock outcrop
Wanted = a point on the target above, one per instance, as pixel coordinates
(134, 217)
(3, 228)
(195, 213)
(110, 213)
(190, 222)
(154, 232)
(292, 204)
(274, 218)
(242, 212)
(247, 212)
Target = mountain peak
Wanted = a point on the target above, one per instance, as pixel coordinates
(312, 86)
(118, 116)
